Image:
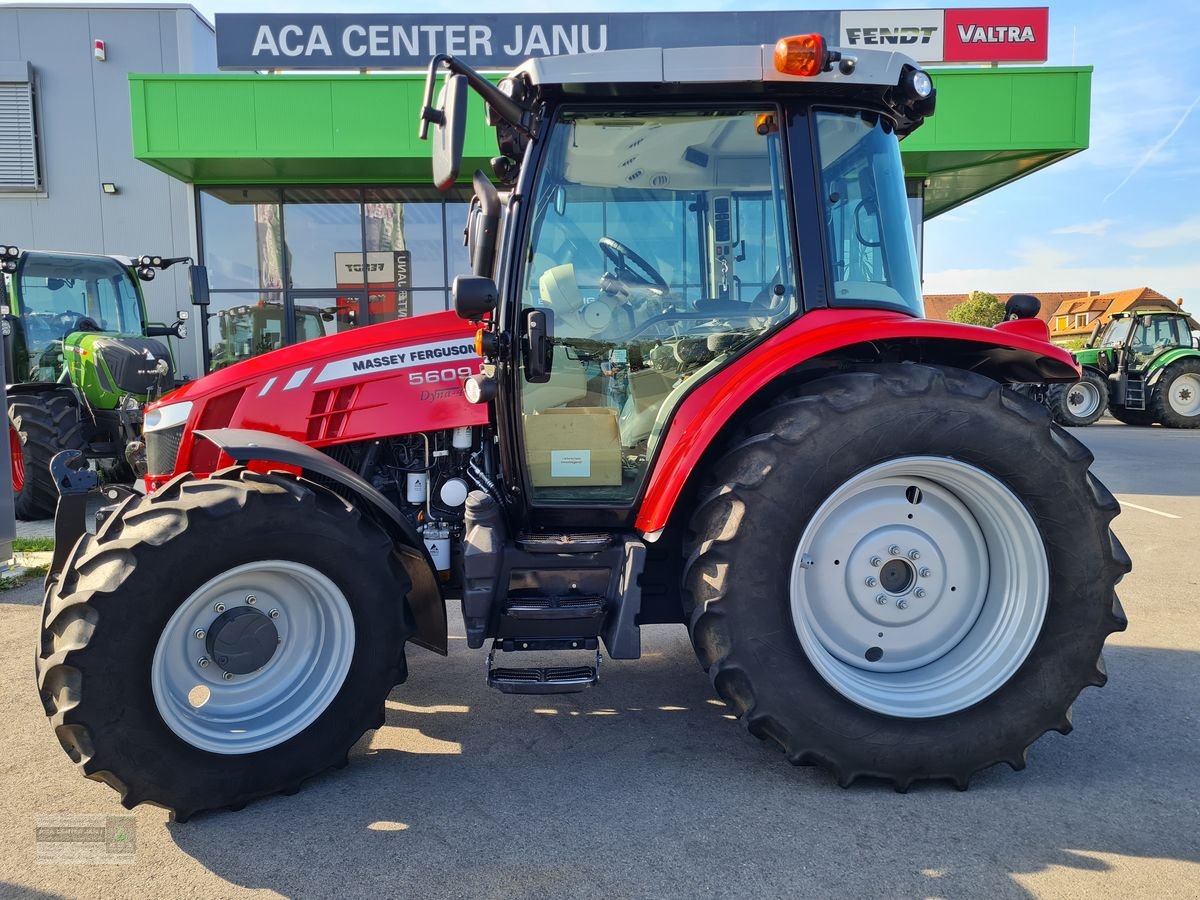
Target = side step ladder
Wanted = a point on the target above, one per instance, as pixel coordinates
(1135, 393)
(541, 679)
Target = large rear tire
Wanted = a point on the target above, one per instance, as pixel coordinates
(45, 423)
(1078, 404)
(905, 573)
(1176, 399)
(221, 640)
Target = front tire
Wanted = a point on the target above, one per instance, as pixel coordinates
(46, 423)
(1079, 404)
(856, 472)
(1176, 401)
(221, 640)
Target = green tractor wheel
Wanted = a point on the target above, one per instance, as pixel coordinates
(46, 423)
(1176, 399)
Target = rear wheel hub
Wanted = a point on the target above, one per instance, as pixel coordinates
(242, 640)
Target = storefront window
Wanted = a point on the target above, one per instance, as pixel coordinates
(330, 258)
(242, 238)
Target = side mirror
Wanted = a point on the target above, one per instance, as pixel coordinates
(474, 296)
(449, 120)
(539, 345)
(198, 281)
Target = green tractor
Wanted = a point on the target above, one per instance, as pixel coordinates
(254, 329)
(1143, 366)
(80, 360)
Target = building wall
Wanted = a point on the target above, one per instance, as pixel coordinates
(84, 133)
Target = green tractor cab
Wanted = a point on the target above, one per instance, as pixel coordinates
(81, 361)
(1143, 366)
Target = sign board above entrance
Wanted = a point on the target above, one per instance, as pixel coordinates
(502, 41)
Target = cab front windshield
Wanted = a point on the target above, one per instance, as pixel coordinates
(659, 247)
(61, 293)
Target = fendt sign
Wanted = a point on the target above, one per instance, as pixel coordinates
(504, 40)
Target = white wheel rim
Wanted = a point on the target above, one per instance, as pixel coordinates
(967, 610)
(1184, 394)
(1083, 399)
(245, 713)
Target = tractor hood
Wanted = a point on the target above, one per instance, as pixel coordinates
(396, 377)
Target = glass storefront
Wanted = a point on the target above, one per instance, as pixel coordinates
(289, 264)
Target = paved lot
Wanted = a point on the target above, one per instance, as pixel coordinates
(643, 788)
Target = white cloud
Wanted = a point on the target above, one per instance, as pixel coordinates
(1037, 255)
(1099, 228)
(1185, 232)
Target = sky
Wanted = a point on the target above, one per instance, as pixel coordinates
(1124, 213)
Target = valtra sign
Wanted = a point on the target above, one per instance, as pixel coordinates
(952, 35)
(500, 41)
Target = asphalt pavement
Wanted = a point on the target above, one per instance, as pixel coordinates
(643, 787)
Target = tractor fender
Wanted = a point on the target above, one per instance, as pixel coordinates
(1161, 363)
(426, 601)
(837, 336)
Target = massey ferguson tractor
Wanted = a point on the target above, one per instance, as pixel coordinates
(689, 381)
(81, 362)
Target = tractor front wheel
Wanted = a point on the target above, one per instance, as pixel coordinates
(1176, 400)
(221, 640)
(43, 423)
(1078, 404)
(905, 573)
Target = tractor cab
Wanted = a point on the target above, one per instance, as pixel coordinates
(664, 210)
(250, 330)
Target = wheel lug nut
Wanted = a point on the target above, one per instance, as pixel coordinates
(919, 593)
(871, 582)
(893, 550)
(198, 634)
(251, 599)
(202, 662)
(876, 561)
(902, 604)
(881, 600)
(219, 607)
(274, 614)
(925, 573)
(914, 555)
(228, 676)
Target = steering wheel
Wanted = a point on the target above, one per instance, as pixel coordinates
(620, 255)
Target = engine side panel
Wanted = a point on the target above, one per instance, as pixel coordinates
(393, 378)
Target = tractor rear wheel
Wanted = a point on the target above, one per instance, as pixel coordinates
(905, 573)
(221, 640)
(1176, 400)
(45, 423)
(1078, 404)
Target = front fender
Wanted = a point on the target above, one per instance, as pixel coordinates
(1160, 364)
(1008, 355)
(425, 599)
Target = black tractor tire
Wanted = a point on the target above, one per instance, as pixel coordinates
(1141, 418)
(1178, 385)
(103, 620)
(1059, 400)
(46, 423)
(747, 522)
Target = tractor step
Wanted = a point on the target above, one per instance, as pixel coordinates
(542, 679)
(1135, 393)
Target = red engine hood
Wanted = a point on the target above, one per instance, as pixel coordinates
(392, 378)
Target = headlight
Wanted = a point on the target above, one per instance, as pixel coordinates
(168, 416)
(921, 84)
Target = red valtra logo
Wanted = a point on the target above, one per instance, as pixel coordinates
(996, 35)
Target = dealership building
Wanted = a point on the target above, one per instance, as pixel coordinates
(281, 151)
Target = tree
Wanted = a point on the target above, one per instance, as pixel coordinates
(980, 308)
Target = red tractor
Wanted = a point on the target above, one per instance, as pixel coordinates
(688, 381)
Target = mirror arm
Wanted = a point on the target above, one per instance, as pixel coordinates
(507, 108)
